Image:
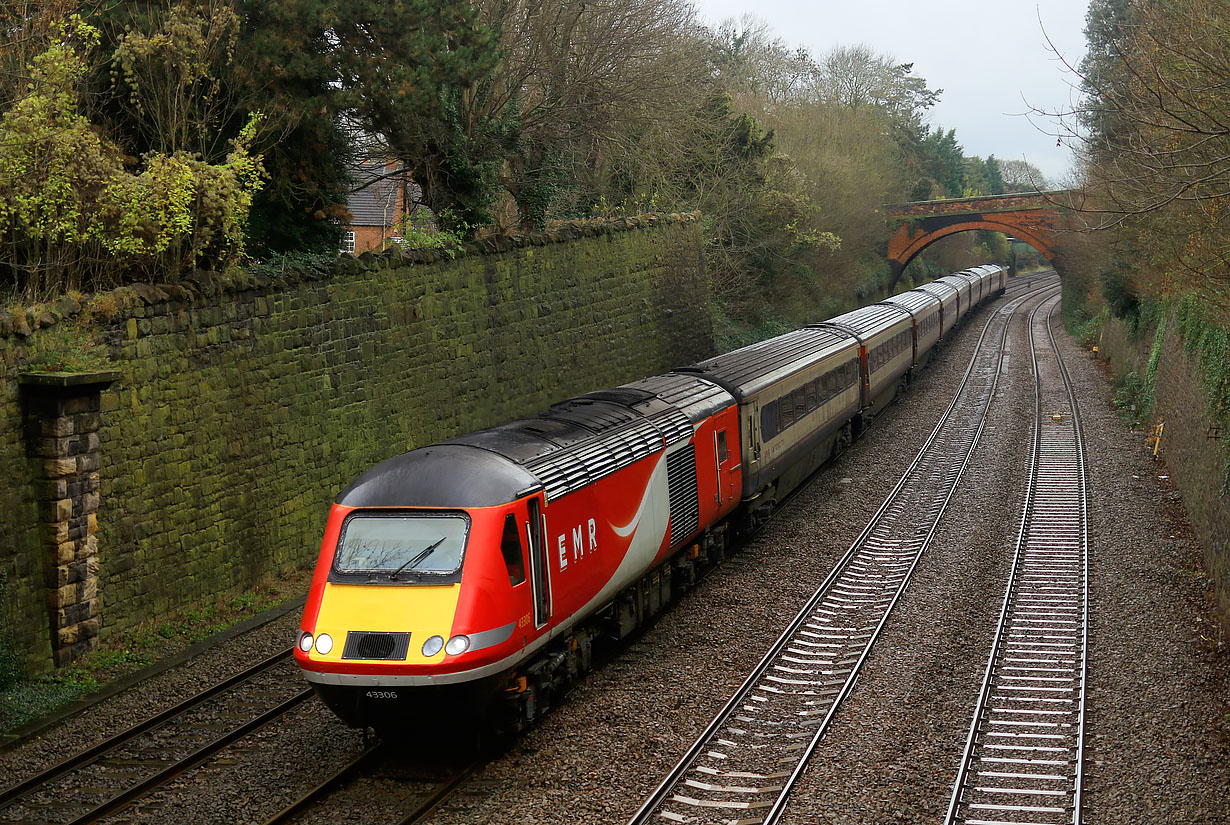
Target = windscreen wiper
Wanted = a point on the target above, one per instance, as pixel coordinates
(418, 557)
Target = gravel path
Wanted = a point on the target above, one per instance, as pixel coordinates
(1158, 749)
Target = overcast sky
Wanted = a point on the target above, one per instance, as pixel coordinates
(990, 57)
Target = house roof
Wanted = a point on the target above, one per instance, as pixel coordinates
(377, 203)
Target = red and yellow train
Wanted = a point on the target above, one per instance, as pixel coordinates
(478, 573)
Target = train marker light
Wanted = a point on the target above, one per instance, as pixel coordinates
(457, 645)
(305, 642)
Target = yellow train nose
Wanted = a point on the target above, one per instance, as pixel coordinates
(385, 623)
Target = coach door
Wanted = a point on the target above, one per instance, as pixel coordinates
(540, 577)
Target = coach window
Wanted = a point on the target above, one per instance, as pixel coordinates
(510, 547)
(768, 421)
(785, 412)
(800, 403)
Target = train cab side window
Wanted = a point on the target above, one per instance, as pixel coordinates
(722, 455)
(510, 547)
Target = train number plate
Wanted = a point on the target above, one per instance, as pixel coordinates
(381, 694)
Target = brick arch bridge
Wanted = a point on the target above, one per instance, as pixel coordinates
(1034, 218)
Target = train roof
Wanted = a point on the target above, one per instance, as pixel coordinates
(574, 443)
(939, 290)
(695, 397)
(955, 281)
(749, 370)
(915, 301)
(974, 274)
(444, 476)
(868, 321)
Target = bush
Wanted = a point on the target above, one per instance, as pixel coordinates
(75, 210)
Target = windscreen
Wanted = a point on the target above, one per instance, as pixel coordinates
(402, 546)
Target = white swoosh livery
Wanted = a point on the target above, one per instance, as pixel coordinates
(647, 528)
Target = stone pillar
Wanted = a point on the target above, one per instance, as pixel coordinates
(62, 421)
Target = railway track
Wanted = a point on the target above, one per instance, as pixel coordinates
(743, 766)
(430, 789)
(1023, 757)
(128, 766)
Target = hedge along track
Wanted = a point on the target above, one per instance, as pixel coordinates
(744, 765)
(122, 769)
(1022, 760)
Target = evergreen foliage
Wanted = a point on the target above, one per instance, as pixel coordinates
(508, 114)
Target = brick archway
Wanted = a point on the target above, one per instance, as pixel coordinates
(1034, 218)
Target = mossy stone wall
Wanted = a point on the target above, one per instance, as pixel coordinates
(1190, 444)
(25, 622)
(239, 417)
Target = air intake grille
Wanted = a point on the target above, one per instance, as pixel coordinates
(565, 471)
(675, 425)
(681, 484)
(364, 645)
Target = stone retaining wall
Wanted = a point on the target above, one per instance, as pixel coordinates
(237, 417)
(1190, 446)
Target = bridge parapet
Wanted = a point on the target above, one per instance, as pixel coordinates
(1035, 218)
(981, 204)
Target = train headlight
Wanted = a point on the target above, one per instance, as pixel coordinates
(432, 646)
(305, 642)
(324, 643)
(457, 645)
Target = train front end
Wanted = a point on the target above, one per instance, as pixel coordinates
(418, 606)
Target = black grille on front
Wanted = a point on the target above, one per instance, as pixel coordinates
(681, 484)
(365, 645)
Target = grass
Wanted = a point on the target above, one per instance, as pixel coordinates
(26, 700)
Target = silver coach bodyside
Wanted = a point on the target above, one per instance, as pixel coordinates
(926, 310)
(997, 278)
(962, 286)
(949, 297)
(987, 273)
(886, 338)
(796, 393)
(976, 290)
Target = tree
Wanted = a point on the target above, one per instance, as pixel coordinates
(1022, 176)
(1154, 128)
(750, 62)
(856, 77)
(577, 82)
(941, 162)
(414, 72)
